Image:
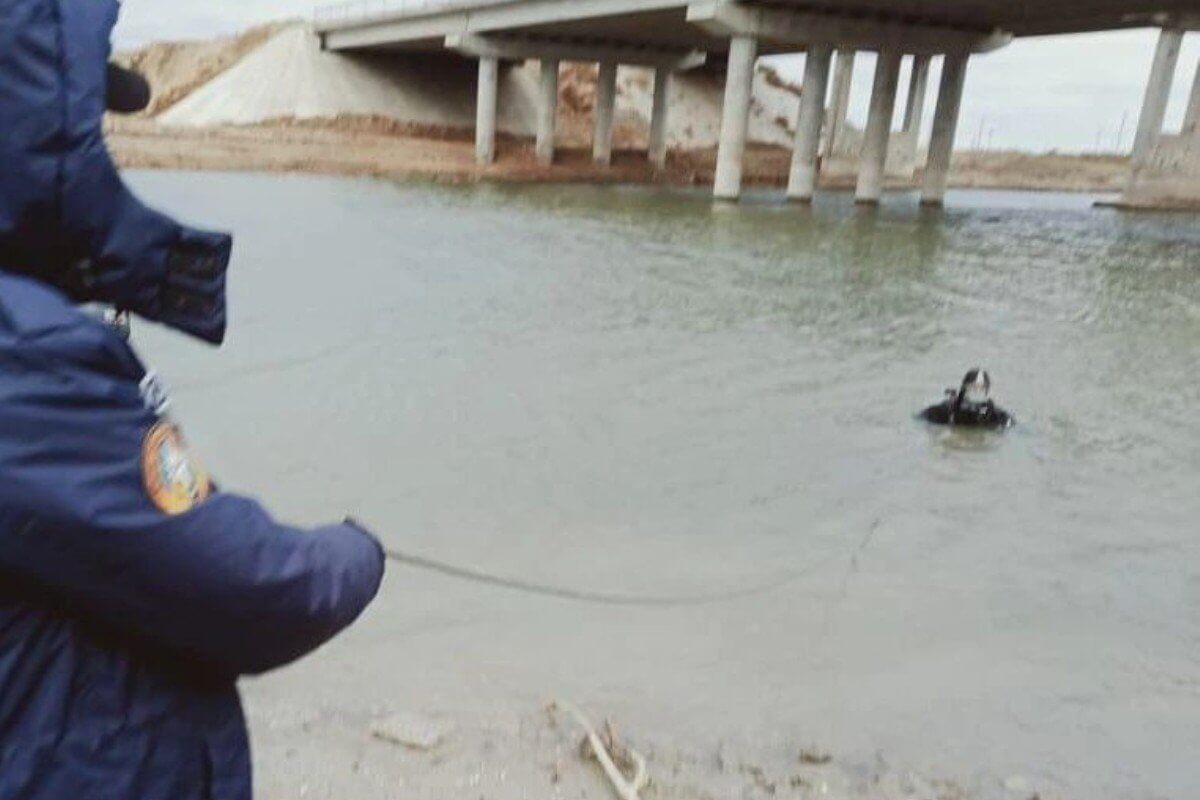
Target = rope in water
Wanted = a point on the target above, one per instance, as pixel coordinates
(580, 596)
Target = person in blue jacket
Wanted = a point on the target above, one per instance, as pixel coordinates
(133, 591)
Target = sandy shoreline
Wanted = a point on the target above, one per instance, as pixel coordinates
(375, 149)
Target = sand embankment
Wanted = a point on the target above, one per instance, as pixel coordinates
(270, 100)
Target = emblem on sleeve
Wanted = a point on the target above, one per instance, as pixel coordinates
(175, 482)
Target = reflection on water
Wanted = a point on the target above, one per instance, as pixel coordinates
(633, 390)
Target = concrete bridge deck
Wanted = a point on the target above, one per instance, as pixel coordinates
(675, 35)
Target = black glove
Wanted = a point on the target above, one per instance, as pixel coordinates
(128, 92)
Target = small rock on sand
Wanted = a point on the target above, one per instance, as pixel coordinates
(410, 730)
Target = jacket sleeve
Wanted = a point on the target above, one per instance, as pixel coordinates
(219, 581)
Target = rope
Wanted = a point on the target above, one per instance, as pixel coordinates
(579, 596)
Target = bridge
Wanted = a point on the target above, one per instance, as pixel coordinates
(676, 35)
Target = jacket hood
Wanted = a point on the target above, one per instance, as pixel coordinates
(66, 217)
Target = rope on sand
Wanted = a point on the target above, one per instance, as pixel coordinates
(626, 788)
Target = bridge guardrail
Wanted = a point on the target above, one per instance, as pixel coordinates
(359, 11)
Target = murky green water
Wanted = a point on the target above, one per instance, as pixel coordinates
(629, 390)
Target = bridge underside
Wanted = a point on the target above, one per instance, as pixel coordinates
(665, 23)
(673, 35)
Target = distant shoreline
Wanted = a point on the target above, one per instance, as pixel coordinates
(368, 148)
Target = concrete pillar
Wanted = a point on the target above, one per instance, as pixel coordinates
(843, 78)
(658, 117)
(1158, 90)
(606, 107)
(1191, 120)
(485, 110)
(914, 111)
(735, 120)
(803, 180)
(945, 127)
(547, 112)
(879, 127)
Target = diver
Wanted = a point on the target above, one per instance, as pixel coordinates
(970, 405)
(134, 591)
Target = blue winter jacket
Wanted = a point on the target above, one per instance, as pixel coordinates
(133, 593)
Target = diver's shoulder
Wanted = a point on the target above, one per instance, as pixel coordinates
(938, 414)
(41, 324)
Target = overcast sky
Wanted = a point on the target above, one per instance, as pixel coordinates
(1069, 93)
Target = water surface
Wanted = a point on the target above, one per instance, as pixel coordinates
(631, 390)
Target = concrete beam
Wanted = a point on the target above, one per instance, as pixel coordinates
(807, 28)
(486, 103)
(605, 114)
(659, 111)
(547, 112)
(802, 182)
(1158, 91)
(735, 117)
(945, 127)
(879, 127)
(520, 48)
(407, 25)
(843, 79)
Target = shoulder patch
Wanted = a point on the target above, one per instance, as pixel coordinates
(174, 481)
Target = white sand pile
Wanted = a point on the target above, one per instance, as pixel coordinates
(289, 78)
(176, 69)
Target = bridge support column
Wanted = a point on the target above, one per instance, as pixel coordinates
(1191, 120)
(879, 127)
(945, 127)
(735, 120)
(805, 163)
(914, 111)
(547, 112)
(658, 117)
(485, 110)
(1158, 90)
(606, 107)
(843, 78)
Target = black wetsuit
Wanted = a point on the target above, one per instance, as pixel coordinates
(952, 411)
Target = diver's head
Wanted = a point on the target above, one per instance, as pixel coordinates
(976, 387)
